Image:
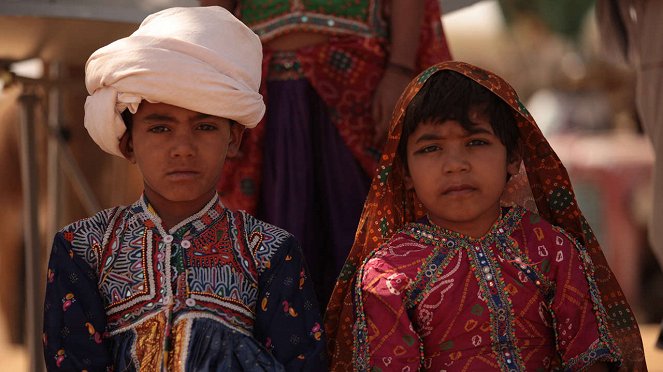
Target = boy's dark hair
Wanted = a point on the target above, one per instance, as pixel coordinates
(448, 95)
(128, 119)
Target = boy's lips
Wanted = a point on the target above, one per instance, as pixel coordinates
(181, 174)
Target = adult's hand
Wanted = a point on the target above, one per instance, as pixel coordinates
(388, 91)
(405, 18)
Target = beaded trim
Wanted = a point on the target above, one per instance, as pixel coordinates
(307, 20)
(284, 65)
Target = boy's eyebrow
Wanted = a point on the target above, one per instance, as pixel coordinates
(159, 117)
(201, 116)
(166, 117)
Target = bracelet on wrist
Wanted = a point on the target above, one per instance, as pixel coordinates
(401, 69)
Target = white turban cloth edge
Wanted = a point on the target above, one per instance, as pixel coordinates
(199, 58)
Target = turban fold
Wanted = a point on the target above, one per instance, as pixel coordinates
(199, 58)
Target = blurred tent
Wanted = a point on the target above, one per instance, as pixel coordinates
(449, 6)
(69, 30)
(565, 17)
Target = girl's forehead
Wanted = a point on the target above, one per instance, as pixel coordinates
(477, 125)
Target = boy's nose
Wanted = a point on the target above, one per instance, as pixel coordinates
(183, 146)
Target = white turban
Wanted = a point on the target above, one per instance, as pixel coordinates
(198, 58)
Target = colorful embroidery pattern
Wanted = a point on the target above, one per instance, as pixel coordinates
(119, 278)
(501, 300)
(272, 18)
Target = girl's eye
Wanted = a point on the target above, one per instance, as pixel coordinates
(427, 149)
(159, 129)
(477, 142)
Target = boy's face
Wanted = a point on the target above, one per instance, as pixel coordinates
(180, 153)
(459, 176)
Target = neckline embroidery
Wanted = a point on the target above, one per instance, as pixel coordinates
(193, 224)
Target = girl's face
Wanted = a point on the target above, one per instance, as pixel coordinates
(180, 154)
(457, 175)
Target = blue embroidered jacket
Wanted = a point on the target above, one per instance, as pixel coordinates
(220, 291)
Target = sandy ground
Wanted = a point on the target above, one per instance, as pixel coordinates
(653, 355)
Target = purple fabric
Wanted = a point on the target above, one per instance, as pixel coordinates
(312, 185)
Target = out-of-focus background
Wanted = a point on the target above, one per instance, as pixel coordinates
(51, 173)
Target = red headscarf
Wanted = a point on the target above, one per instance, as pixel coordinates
(543, 186)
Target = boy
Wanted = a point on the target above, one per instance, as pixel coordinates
(177, 281)
(446, 275)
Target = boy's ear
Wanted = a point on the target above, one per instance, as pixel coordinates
(236, 132)
(127, 147)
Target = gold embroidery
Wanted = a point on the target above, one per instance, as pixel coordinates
(177, 355)
(149, 342)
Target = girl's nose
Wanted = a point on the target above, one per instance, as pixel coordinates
(456, 161)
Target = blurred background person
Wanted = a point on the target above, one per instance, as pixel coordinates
(631, 32)
(333, 71)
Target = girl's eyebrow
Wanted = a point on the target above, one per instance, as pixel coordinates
(478, 129)
(428, 137)
(434, 136)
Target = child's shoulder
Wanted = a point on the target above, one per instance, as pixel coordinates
(253, 225)
(97, 222)
(264, 240)
(400, 248)
(537, 228)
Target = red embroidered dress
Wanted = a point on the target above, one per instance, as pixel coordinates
(542, 187)
(520, 298)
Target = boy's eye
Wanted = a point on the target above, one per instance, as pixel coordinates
(207, 126)
(159, 129)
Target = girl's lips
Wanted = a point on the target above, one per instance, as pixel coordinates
(458, 189)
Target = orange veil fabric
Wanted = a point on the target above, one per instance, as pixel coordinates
(543, 186)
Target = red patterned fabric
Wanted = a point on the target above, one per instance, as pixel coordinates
(344, 71)
(543, 181)
(477, 304)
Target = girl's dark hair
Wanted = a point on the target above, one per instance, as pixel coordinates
(448, 95)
